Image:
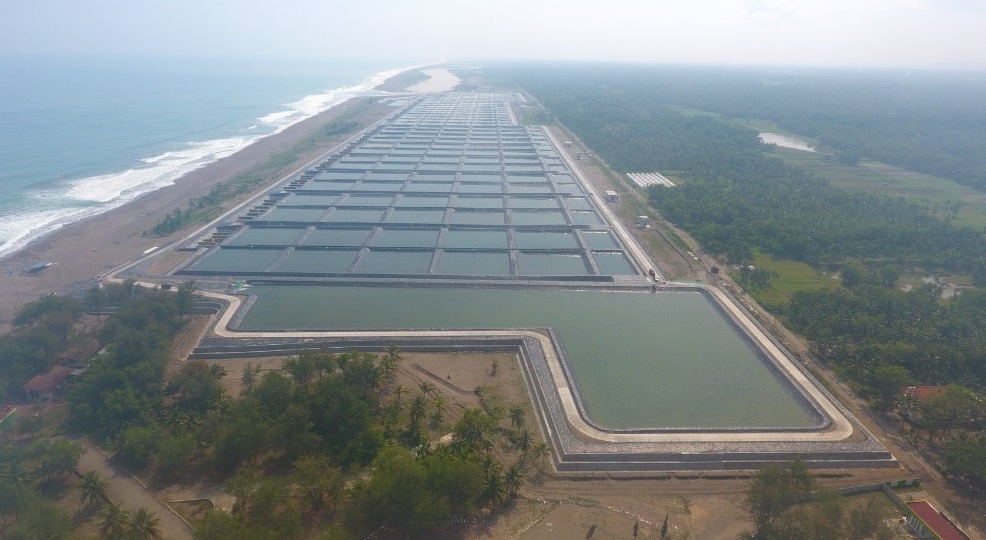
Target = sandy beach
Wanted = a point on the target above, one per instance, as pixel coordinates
(81, 251)
(439, 80)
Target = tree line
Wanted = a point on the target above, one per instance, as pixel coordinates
(927, 122)
(737, 198)
(329, 442)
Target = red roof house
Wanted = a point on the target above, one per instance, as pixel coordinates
(923, 393)
(930, 523)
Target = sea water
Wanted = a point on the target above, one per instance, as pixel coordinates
(82, 135)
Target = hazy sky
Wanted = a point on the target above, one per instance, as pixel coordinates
(890, 33)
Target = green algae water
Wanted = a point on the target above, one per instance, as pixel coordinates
(642, 360)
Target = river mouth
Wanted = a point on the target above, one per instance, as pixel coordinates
(785, 141)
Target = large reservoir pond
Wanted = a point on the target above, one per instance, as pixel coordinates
(642, 360)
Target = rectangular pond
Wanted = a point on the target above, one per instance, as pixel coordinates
(260, 236)
(641, 360)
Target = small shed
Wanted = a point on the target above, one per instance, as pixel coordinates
(612, 196)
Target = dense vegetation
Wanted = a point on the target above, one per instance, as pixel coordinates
(120, 386)
(863, 327)
(42, 330)
(784, 503)
(25, 473)
(737, 197)
(737, 200)
(123, 387)
(341, 127)
(933, 123)
(329, 442)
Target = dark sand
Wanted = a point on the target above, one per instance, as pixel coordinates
(86, 249)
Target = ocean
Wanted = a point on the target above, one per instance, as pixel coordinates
(82, 135)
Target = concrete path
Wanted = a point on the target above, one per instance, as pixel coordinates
(128, 491)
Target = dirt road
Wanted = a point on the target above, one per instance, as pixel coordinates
(126, 490)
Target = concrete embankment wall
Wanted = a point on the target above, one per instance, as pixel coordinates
(568, 453)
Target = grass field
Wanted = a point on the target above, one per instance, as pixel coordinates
(788, 277)
(874, 176)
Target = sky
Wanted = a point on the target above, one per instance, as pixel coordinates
(935, 34)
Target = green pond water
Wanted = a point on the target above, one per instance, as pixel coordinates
(337, 237)
(544, 264)
(474, 263)
(478, 202)
(355, 215)
(612, 264)
(476, 238)
(406, 238)
(246, 260)
(599, 240)
(259, 236)
(520, 217)
(666, 359)
(542, 240)
(569, 188)
(465, 217)
(317, 261)
(586, 218)
(539, 203)
(395, 262)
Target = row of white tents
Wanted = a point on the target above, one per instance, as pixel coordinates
(650, 179)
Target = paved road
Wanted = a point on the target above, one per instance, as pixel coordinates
(124, 489)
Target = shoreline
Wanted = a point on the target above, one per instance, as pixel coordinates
(82, 250)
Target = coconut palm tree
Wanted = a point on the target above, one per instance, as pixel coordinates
(517, 416)
(540, 452)
(512, 480)
(391, 359)
(426, 387)
(494, 487)
(419, 406)
(93, 489)
(144, 525)
(438, 410)
(114, 522)
(250, 375)
(524, 440)
(59, 458)
(398, 392)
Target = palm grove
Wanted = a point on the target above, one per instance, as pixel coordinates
(330, 442)
(738, 199)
